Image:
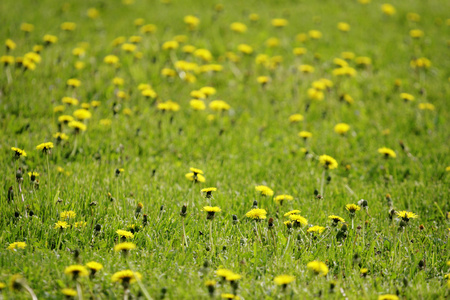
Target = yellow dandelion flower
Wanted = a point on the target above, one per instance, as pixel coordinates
(94, 266)
(111, 59)
(406, 215)
(315, 34)
(69, 214)
(318, 267)
(76, 271)
(195, 177)
(61, 225)
(388, 297)
(305, 134)
(17, 245)
(125, 234)
(352, 208)
(281, 198)
(148, 28)
(316, 229)
(69, 292)
(283, 279)
(78, 126)
(18, 152)
(341, 128)
(238, 27)
(279, 23)
(426, 106)
(126, 276)
(82, 114)
(170, 45)
(306, 69)
(45, 146)
(264, 190)
(336, 219)
(257, 214)
(26, 27)
(388, 9)
(298, 220)
(68, 26)
(292, 212)
(328, 162)
(191, 21)
(124, 247)
(246, 49)
(219, 105)
(344, 27)
(407, 97)
(387, 152)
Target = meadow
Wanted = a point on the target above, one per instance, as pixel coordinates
(224, 150)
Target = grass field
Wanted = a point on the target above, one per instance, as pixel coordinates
(143, 104)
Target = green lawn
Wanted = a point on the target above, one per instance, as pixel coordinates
(121, 164)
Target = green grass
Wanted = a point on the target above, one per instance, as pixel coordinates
(251, 144)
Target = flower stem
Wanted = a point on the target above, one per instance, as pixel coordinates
(30, 291)
(184, 236)
(211, 240)
(79, 291)
(322, 183)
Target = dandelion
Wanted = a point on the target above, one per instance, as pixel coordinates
(336, 220)
(211, 210)
(238, 27)
(27, 27)
(195, 177)
(18, 152)
(281, 198)
(292, 212)
(388, 297)
(69, 293)
(211, 285)
(263, 80)
(299, 51)
(82, 114)
(388, 9)
(229, 296)
(208, 90)
(295, 118)
(61, 225)
(307, 69)
(344, 27)
(73, 82)
(318, 267)
(76, 271)
(78, 126)
(80, 224)
(315, 34)
(316, 230)
(49, 39)
(111, 59)
(352, 208)
(328, 162)
(69, 214)
(257, 214)
(148, 28)
(124, 247)
(17, 283)
(407, 97)
(126, 277)
(426, 106)
(68, 26)
(364, 272)
(45, 147)
(264, 190)
(17, 245)
(219, 105)
(125, 234)
(297, 220)
(406, 215)
(246, 49)
(208, 191)
(279, 23)
(197, 104)
(283, 280)
(191, 21)
(60, 137)
(170, 45)
(94, 267)
(341, 128)
(387, 152)
(416, 33)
